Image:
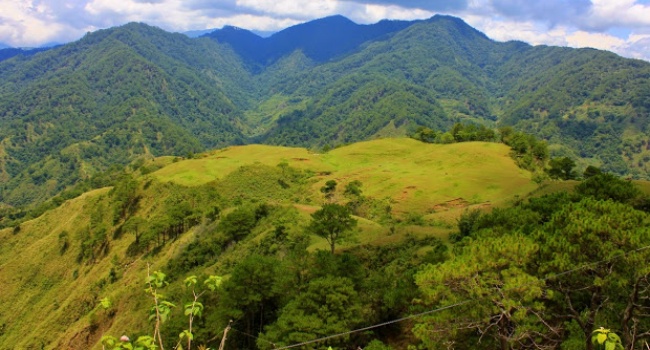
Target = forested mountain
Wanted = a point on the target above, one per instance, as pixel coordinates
(136, 91)
(110, 97)
(589, 104)
(320, 40)
(9, 52)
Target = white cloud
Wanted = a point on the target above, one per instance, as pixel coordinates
(576, 23)
(611, 13)
(28, 23)
(528, 31)
(292, 8)
(424, 5)
(595, 40)
(251, 22)
(375, 13)
(636, 46)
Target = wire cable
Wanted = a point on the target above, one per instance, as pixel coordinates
(456, 304)
(374, 326)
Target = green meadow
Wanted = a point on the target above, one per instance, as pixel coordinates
(412, 176)
(50, 271)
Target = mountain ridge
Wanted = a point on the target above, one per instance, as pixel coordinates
(320, 39)
(137, 91)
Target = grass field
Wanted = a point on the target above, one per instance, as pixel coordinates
(427, 187)
(410, 175)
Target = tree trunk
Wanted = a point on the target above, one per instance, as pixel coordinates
(627, 332)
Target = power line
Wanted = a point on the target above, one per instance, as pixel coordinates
(253, 336)
(374, 326)
(616, 256)
(457, 304)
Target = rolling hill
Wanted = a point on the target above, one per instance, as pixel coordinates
(135, 92)
(58, 267)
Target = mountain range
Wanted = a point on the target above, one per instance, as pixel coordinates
(136, 91)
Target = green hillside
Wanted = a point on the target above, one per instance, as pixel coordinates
(136, 92)
(56, 268)
(588, 104)
(427, 215)
(412, 176)
(111, 97)
(289, 175)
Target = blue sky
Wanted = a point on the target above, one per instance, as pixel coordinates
(621, 26)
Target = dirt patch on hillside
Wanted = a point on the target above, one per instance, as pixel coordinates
(406, 192)
(301, 159)
(458, 203)
(451, 204)
(88, 336)
(310, 209)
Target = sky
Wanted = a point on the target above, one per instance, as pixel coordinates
(621, 26)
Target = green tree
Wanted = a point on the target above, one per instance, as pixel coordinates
(590, 238)
(425, 134)
(134, 224)
(591, 171)
(328, 189)
(488, 292)
(250, 296)
(607, 186)
(562, 168)
(238, 224)
(353, 188)
(467, 223)
(445, 138)
(333, 222)
(126, 197)
(330, 305)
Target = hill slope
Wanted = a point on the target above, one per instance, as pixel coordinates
(56, 271)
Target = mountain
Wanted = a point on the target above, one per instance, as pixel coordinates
(198, 33)
(7, 53)
(248, 45)
(112, 96)
(137, 91)
(320, 40)
(204, 32)
(588, 104)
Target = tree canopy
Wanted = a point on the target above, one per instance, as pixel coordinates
(333, 222)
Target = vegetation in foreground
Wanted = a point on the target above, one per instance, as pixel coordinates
(539, 271)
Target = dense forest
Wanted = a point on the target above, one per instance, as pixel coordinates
(136, 92)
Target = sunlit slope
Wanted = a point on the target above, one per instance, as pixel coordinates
(57, 291)
(53, 296)
(413, 176)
